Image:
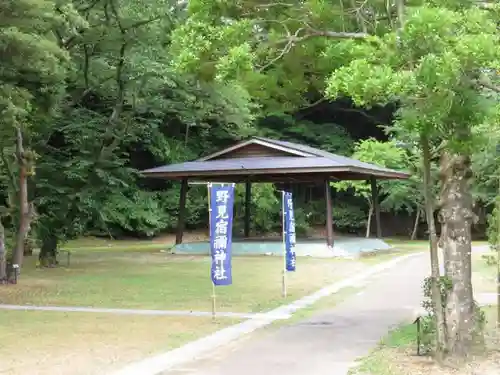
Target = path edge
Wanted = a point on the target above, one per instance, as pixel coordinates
(199, 348)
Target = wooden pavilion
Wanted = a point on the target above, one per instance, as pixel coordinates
(267, 160)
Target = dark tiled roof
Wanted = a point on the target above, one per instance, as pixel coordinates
(316, 161)
(253, 163)
(325, 154)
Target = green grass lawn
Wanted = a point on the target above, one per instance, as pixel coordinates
(484, 274)
(136, 274)
(99, 244)
(150, 279)
(47, 343)
(88, 343)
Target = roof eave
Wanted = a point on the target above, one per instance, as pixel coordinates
(283, 171)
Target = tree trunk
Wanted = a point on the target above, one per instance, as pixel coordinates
(456, 216)
(498, 246)
(25, 214)
(28, 247)
(3, 255)
(437, 300)
(415, 226)
(48, 251)
(369, 222)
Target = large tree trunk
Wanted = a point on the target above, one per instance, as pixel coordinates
(456, 217)
(497, 241)
(48, 251)
(3, 255)
(369, 222)
(24, 207)
(28, 247)
(437, 300)
(415, 226)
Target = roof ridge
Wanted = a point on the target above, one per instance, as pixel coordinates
(304, 148)
(295, 146)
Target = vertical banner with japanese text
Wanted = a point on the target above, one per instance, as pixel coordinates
(221, 230)
(289, 231)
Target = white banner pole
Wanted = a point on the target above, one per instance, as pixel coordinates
(209, 186)
(283, 279)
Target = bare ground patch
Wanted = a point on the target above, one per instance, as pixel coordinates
(397, 361)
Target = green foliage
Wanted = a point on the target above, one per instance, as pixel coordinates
(124, 110)
(329, 137)
(255, 44)
(384, 154)
(485, 164)
(487, 186)
(407, 195)
(490, 260)
(348, 218)
(429, 68)
(32, 82)
(113, 87)
(33, 64)
(265, 209)
(492, 231)
(427, 322)
(444, 287)
(138, 213)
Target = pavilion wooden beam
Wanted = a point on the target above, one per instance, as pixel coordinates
(376, 205)
(248, 202)
(329, 214)
(181, 218)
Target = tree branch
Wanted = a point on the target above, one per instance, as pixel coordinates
(274, 4)
(486, 84)
(330, 34)
(117, 17)
(89, 6)
(86, 61)
(285, 49)
(142, 23)
(359, 16)
(293, 39)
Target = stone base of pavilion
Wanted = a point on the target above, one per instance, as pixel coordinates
(344, 247)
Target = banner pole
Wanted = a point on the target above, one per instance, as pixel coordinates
(209, 186)
(213, 302)
(283, 279)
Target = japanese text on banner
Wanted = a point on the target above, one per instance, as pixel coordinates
(221, 223)
(289, 231)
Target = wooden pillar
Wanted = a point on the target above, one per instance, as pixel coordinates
(248, 203)
(329, 214)
(376, 206)
(182, 212)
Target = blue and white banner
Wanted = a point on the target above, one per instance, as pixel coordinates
(289, 231)
(221, 232)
